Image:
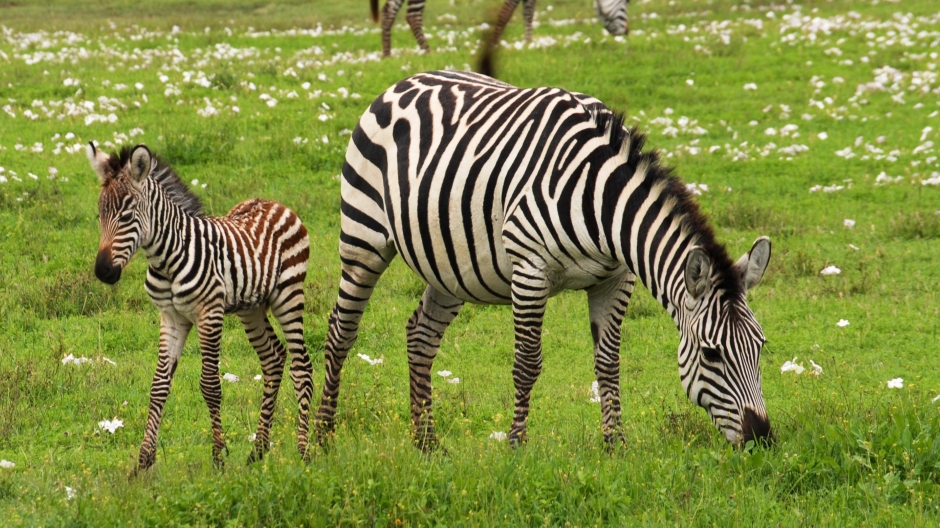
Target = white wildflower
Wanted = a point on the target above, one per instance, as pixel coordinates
(258, 377)
(750, 86)
(371, 361)
(229, 377)
(843, 323)
(444, 373)
(499, 436)
(817, 370)
(849, 223)
(896, 383)
(830, 270)
(453, 381)
(792, 366)
(70, 493)
(110, 425)
(823, 136)
(6, 464)
(595, 394)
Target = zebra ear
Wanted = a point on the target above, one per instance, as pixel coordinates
(698, 270)
(752, 265)
(140, 163)
(98, 160)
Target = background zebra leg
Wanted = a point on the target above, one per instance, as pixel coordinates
(173, 332)
(210, 338)
(528, 14)
(389, 12)
(415, 18)
(272, 356)
(505, 14)
(288, 309)
(355, 288)
(608, 302)
(426, 327)
(530, 291)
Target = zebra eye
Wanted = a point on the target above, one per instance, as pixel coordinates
(712, 355)
(126, 216)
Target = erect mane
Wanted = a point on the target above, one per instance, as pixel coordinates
(630, 142)
(163, 174)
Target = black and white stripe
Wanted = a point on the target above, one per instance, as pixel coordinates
(248, 262)
(613, 15)
(500, 195)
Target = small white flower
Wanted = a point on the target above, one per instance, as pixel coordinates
(792, 366)
(229, 377)
(896, 383)
(70, 493)
(934, 400)
(6, 464)
(750, 86)
(371, 361)
(849, 223)
(252, 436)
(139, 86)
(110, 425)
(770, 132)
(272, 102)
(595, 394)
(830, 270)
(75, 360)
(258, 377)
(453, 381)
(325, 139)
(823, 136)
(499, 436)
(817, 370)
(842, 323)
(106, 360)
(853, 246)
(305, 86)
(444, 373)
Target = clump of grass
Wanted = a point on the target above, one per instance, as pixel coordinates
(914, 226)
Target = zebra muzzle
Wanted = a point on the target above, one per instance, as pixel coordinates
(105, 270)
(756, 428)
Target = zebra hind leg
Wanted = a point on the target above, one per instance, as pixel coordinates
(505, 14)
(272, 356)
(426, 327)
(608, 302)
(528, 14)
(389, 12)
(288, 309)
(415, 18)
(210, 340)
(530, 290)
(359, 276)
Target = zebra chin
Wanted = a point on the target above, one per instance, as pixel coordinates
(105, 269)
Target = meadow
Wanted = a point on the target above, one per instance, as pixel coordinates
(812, 122)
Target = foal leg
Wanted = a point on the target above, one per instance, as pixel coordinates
(389, 12)
(608, 302)
(415, 18)
(426, 327)
(272, 356)
(528, 14)
(173, 332)
(209, 327)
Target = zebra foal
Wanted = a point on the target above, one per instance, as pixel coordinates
(248, 262)
(499, 195)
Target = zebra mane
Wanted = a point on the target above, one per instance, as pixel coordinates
(164, 175)
(630, 143)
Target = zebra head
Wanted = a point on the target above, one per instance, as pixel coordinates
(613, 14)
(120, 207)
(719, 351)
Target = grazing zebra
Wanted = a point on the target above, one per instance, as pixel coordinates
(613, 14)
(500, 195)
(252, 260)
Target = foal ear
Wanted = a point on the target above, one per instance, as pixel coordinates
(698, 271)
(98, 160)
(752, 265)
(140, 163)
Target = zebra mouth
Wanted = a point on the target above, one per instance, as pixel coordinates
(107, 272)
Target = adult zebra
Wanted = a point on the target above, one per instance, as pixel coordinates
(247, 262)
(613, 14)
(500, 195)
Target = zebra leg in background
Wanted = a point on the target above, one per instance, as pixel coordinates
(389, 12)
(288, 309)
(415, 18)
(272, 356)
(426, 327)
(209, 327)
(355, 288)
(173, 332)
(608, 302)
(530, 290)
(505, 14)
(528, 14)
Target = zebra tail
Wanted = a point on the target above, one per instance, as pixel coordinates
(374, 4)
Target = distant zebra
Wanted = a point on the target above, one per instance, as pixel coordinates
(613, 14)
(250, 261)
(500, 195)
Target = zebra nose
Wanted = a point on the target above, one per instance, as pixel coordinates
(105, 270)
(757, 428)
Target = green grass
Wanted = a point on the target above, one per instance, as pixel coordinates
(850, 451)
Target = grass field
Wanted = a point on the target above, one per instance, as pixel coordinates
(799, 118)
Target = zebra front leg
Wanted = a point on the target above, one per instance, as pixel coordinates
(608, 302)
(505, 14)
(288, 309)
(389, 12)
(209, 326)
(415, 18)
(530, 290)
(355, 288)
(528, 14)
(426, 327)
(173, 332)
(272, 356)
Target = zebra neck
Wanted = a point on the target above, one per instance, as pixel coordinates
(171, 231)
